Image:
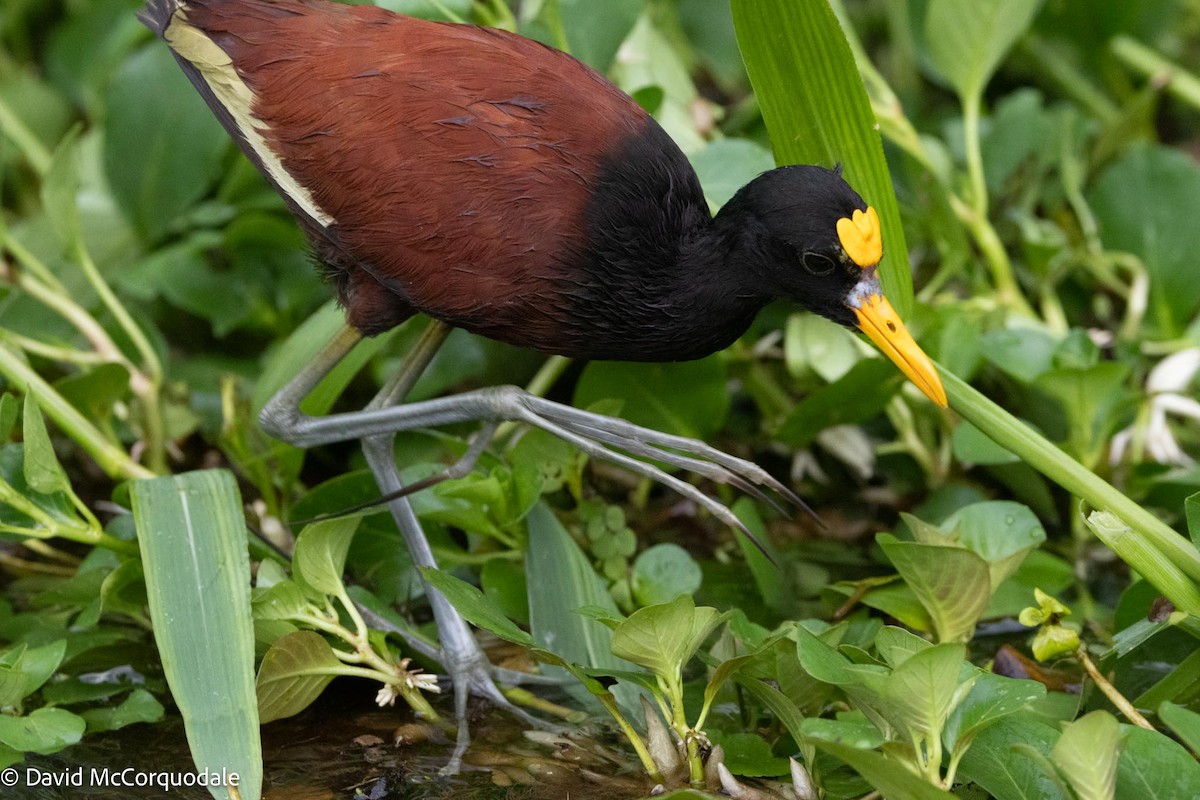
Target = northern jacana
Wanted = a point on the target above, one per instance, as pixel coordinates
(501, 186)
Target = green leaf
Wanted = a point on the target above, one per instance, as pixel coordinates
(967, 39)
(594, 31)
(45, 730)
(293, 674)
(774, 585)
(1023, 353)
(951, 583)
(193, 541)
(1155, 767)
(859, 395)
(724, 671)
(664, 637)
(1089, 397)
(283, 600)
(1191, 507)
(687, 398)
(971, 446)
(897, 645)
(503, 583)
(60, 190)
(1183, 722)
(38, 664)
(12, 686)
(43, 473)
(920, 693)
(1000, 532)
(749, 754)
(992, 697)
(163, 148)
(1137, 202)
(857, 732)
(1086, 754)
(726, 165)
(891, 777)
(320, 556)
(475, 607)
(139, 706)
(124, 591)
(662, 573)
(996, 763)
(561, 581)
(9, 409)
(817, 111)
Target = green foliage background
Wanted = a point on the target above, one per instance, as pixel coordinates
(153, 291)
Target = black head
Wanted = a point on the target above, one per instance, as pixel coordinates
(795, 215)
(808, 237)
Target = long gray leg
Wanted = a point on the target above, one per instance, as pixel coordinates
(459, 653)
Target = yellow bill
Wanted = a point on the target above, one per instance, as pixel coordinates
(879, 321)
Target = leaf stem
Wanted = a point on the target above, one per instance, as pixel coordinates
(112, 459)
(1177, 80)
(145, 383)
(1115, 697)
(1009, 432)
(35, 152)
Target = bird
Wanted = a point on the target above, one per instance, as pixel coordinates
(497, 185)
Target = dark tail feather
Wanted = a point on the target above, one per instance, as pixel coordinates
(156, 14)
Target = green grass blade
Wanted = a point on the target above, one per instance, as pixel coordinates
(817, 111)
(1041, 454)
(193, 541)
(561, 580)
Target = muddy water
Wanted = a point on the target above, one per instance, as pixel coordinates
(345, 747)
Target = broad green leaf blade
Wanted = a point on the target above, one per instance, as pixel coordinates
(475, 607)
(1086, 754)
(920, 692)
(320, 556)
(750, 754)
(897, 645)
(294, 672)
(967, 39)
(892, 778)
(561, 581)
(992, 697)
(658, 637)
(1000, 532)
(163, 149)
(817, 111)
(140, 706)
(995, 763)
(43, 473)
(193, 541)
(1184, 723)
(663, 572)
(283, 600)
(951, 583)
(687, 398)
(60, 189)
(1155, 767)
(45, 730)
(38, 664)
(1137, 202)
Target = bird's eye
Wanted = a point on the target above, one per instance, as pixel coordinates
(817, 263)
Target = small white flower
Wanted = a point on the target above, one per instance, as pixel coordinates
(422, 681)
(386, 696)
(1164, 386)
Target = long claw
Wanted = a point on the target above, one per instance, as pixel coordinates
(649, 443)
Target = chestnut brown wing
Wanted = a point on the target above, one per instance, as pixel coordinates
(447, 164)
